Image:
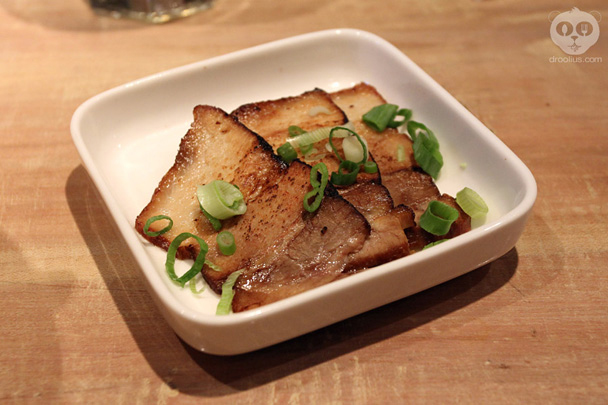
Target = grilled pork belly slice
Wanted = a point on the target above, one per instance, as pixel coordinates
(358, 100)
(271, 120)
(274, 236)
(386, 241)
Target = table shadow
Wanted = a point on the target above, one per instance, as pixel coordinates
(189, 371)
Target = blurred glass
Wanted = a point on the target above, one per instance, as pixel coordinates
(154, 11)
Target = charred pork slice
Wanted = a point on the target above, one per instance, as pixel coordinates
(406, 182)
(311, 110)
(275, 236)
(358, 100)
(271, 120)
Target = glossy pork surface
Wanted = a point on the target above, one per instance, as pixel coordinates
(274, 236)
(271, 120)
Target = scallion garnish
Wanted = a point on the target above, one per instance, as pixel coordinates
(319, 109)
(361, 142)
(400, 153)
(354, 149)
(294, 130)
(319, 134)
(212, 266)
(404, 113)
(198, 262)
(154, 219)
(414, 129)
(438, 218)
(342, 178)
(215, 223)
(225, 304)
(370, 167)
(225, 242)
(221, 199)
(380, 116)
(306, 149)
(430, 160)
(318, 187)
(426, 148)
(471, 203)
(437, 242)
(287, 153)
(192, 285)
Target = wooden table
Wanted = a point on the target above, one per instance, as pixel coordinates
(531, 327)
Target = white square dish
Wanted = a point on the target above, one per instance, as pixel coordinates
(128, 137)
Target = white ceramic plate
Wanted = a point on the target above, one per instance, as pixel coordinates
(128, 138)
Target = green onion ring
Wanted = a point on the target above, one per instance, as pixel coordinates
(438, 218)
(430, 160)
(318, 188)
(215, 223)
(294, 130)
(212, 266)
(287, 153)
(370, 167)
(192, 285)
(154, 219)
(405, 113)
(225, 304)
(198, 262)
(471, 203)
(345, 179)
(413, 128)
(400, 153)
(437, 242)
(380, 116)
(331, 134)
(225, 242)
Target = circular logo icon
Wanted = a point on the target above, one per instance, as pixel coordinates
(575, 31)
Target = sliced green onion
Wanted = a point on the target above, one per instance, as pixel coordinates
(212, 266)
(215, 223)
(319, 134)
(225, 304)
(414, 129)
(225, 242)
(380, 116)
(294, 130)
(429, 158)
(154, 219)
(198, 262)
(400, 153)
(221, 199)
(437, 242)
(370, 167)
(340, 178)
(192, 285)
(335, 150)
(354, 148)
(314, 178)
(471, 203)
(306, 149)
(404, 113)
(287, 153)
(438, 218)
(319, 109)
(318, 187)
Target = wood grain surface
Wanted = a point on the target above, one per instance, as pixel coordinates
(531, 327)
